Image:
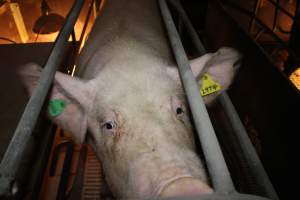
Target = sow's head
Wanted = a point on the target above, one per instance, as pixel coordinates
(137, 118)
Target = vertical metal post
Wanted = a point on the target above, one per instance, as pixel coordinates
(247, 148)
(218, 170)
(253, 161)
(189, 27)
(13, 154)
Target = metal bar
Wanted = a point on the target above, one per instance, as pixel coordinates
(66, 172)
(43, 161)
(81, 41)
(247, 148)
(7, 39)
(249, 152)
(282, 9)
(275, 17)
(73, 36)
(258, 34)
(255, 10)
(179, 26)
(12, 156)
(217, 168)
(191, 31)
(266, 28)
(86, 23)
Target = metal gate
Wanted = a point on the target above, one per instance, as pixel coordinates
(218, 171)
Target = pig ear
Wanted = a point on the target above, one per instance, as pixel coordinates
(198, 65)
(220, 66)
(69, 100)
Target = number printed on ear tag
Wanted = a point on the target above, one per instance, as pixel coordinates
(209, 86)
(56, 107)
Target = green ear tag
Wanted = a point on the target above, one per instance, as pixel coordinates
(56, 107)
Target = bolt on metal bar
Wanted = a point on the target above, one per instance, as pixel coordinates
(247, 148)
(217, 168)
(13, 154)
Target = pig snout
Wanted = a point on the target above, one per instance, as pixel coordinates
(157, 177)
(187, 186)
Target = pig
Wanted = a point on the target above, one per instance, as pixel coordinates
(129, 104)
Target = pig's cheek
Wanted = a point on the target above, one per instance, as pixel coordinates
(95, 131)
(184, 126)
(185, 123)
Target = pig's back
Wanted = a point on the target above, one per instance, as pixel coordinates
(125, 26)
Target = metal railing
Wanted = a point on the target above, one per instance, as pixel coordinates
(12, 157)
(221, 180)
(264, 27)
(277, 8)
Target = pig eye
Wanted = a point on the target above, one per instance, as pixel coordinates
(179, 110)
(109, 126)
(177, 107)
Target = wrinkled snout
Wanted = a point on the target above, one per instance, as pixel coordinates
(155, 176)
(185, 187)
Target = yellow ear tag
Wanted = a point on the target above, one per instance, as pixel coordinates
(209, 86)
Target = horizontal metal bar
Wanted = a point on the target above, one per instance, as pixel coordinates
(247, 148)
(13, 154)
(218, 170)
